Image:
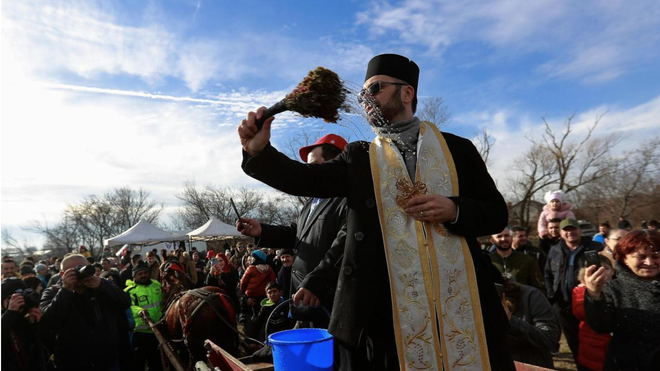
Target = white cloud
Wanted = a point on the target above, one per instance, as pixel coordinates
(87, 39)
(591, 41)
(511, 128)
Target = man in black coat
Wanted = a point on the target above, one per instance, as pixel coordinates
(564, 261)
(84, 317)
(318, 227)
(362, 319)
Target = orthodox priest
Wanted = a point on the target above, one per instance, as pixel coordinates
(414, 292)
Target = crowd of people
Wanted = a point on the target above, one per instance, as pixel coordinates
(596, 304)
(75, 314)
(385, 245)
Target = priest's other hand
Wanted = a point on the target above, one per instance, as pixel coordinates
(249, 227)
(432, 209)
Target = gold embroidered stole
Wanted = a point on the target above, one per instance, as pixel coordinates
(435, 301)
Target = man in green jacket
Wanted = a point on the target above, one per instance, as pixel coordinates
(514, 265)
(146, 294)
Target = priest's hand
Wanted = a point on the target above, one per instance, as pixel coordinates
(254, 140)
(307, 297)
(249, 227)
(432, 209)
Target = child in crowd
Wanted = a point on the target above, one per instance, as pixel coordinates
(280, 320)
(592, 345)
(556, 208)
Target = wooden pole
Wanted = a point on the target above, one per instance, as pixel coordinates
(164, 345)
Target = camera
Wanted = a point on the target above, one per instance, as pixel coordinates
(84, 271)
(30, 298)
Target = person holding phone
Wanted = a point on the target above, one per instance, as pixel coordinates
(629, 306)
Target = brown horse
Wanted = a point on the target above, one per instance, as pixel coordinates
(195, 315)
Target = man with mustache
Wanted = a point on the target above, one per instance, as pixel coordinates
(412, 280)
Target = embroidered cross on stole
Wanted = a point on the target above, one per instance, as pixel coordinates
(435, 301)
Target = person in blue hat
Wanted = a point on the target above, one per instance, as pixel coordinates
(253, 283)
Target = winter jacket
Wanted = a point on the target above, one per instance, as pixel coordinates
(154, 271)
(593, 346)
(284, 280)
(629, 309)
(21, 344)
(226, 281)
(255, 279)
(534, 330)
(560, 276)
(522, 268)
(191, 269)
(539, 255)
(86, 327)
(547, 214)
(147, 297)
(278, 322)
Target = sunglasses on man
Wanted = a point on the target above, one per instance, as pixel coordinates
(375, 88)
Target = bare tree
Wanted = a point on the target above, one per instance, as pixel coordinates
(485, 143)
(434, 110)
(97, 218)
(579, 161)
(200, 204)
(130, 206)
(562, 160)
(18, 249)
(295, 142)
(632, 186)
(535, 170)
(60, 239)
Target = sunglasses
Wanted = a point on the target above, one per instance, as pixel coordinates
(375, 88)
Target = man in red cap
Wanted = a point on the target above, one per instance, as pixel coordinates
(317, 229)
(413, 290)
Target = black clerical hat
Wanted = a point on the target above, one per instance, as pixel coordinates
(396, 66)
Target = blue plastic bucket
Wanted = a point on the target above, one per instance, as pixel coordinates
(302, 350)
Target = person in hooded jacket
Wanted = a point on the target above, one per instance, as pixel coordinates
(254, 282)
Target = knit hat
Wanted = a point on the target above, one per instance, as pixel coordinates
(11, 285)
(140, 266)
(287, 251)
(27, 269)
(554, 195)
(40, 267)
(259, 257)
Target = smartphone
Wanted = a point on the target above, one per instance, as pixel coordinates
(592, 258)
(235, 209)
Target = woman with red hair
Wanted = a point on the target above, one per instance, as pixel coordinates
(628, 307)
(224, 275)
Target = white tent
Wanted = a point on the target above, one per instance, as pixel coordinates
(143, 233)
(214, 228)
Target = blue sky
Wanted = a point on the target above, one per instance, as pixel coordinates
(98, 94)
